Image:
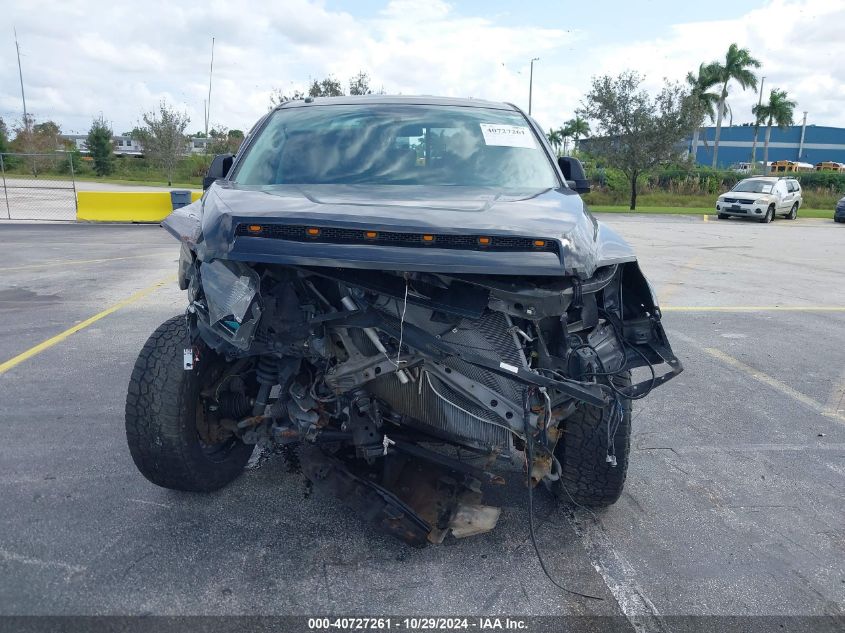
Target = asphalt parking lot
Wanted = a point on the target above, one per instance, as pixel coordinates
(735, 501)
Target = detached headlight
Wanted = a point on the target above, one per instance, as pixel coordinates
(229, 289)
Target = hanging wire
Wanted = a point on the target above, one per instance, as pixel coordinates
(529, 453)
(402, 321)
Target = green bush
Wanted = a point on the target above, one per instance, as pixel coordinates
(63, 166)
(825, 180)
(685, 185)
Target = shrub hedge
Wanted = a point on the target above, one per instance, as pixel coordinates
(688, 186)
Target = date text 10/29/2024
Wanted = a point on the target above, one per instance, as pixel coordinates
(417, 624)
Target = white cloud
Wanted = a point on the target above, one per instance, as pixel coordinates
(121, 58)
(799, 43)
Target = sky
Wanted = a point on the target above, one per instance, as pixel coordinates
(83, 58)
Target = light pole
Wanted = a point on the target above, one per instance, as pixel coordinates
(23, 96)
(757, 129)
(531, 83)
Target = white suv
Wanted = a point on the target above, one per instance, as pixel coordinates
(761, 198)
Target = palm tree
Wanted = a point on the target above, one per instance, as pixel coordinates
(779, 111)
(565, 133)
(578, 127)
(738, 61)
(703, 102)
(555, 139)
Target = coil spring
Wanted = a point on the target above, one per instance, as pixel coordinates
(233, 405)
(267, 370)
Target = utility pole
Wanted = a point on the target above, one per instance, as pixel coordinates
(531, 83)
(208, 101)
(20, 74)
(756, 130)
(803, 130)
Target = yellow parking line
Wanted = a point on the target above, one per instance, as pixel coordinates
(37, 349)
(752, 308)
(706, 218)
(77, 262)
(773, 383)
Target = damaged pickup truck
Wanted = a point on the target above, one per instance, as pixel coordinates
(409, 293)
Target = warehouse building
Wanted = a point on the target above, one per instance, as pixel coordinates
(807, 144)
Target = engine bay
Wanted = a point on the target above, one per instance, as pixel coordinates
(372, 373)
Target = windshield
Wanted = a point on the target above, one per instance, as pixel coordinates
(754, 186)
(397, 145)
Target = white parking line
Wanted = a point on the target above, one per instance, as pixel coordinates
(617, 573)
(28, 560)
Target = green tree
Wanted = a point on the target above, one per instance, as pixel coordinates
(737, 67)
(22, 135)
(236, 139)
(4, 137)
(555, 139)
(565, 133)
(636, 133)
(37, 138)
(702, 100)
(73, 158)
(327, 87)
(224, 141)
(360, 84)
(778, 110)
(578, 127)
(100, 146)
(277, 97)
(163, 137)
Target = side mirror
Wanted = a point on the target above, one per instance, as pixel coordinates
(220, 166)
(573, 172)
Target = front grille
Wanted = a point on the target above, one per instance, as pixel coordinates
(738, 201)
(329, 235)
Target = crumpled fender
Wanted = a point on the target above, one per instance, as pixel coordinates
(185, 224)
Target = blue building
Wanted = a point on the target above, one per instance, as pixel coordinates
(820, 143)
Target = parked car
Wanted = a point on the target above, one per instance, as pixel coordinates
(373, 276)
(762, 198)
(839, 213)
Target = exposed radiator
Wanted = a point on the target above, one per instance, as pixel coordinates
(430, 402)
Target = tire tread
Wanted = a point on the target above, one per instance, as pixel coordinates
(160, 420)
(582, 452)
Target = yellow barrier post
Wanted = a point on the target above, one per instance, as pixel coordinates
(125, 206)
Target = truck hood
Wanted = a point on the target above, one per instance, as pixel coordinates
(210, 227)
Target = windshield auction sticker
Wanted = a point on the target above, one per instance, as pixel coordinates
(507, 135)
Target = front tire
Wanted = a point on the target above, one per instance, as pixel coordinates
(723, 216)
(770, 215)
(162, 412)
(587, 478)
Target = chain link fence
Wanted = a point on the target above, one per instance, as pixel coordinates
(37, 186)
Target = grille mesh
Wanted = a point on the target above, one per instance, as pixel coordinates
(329, 235)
